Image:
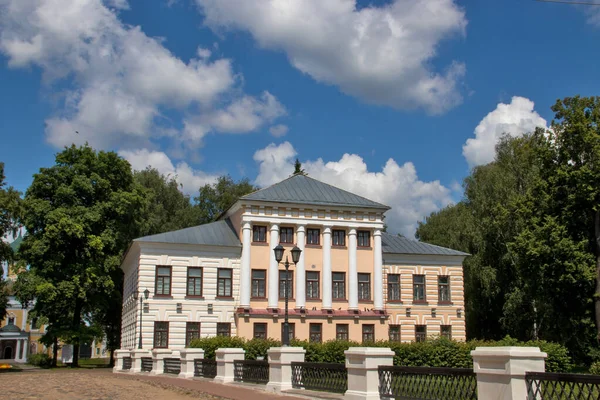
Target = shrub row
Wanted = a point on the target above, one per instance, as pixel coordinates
(40, 360)
(431, 353)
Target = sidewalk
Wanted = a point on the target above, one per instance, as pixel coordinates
(231, 391)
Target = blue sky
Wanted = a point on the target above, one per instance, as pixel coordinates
(377, 97)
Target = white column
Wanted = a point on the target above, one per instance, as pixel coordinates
(327, 295)
(24, 322)
(25, 348)
(119, 355)
(187, 357)
(226, 358)
(158, 360)
(363, 376)
(352, 273)
(245, 276)
(280, 367)
(300, 269)
(18, 351)
(273, 279)
(377, 271)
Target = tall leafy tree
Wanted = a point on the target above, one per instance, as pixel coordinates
(80, 216)
(216, 198)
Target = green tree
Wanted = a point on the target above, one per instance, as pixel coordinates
(80, 216)
(298, 168)
(214, 199)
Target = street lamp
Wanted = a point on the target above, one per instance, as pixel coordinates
(135, 297)
(295, 258)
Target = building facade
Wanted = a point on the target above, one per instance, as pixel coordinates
(353, 280)
(19, 335)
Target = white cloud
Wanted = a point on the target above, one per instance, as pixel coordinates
(514, 119)
(397, 186)
(118, 79)
(382, 55)
(279, 130)
(190, 179)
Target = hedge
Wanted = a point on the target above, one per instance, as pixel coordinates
(40, 360)
(439, 352)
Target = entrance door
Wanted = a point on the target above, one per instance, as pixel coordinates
(8, 353)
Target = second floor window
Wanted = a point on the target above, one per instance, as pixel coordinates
(312, 285)
(194, 281)
(259, 277)
(419, 287)
(446, 332)
(162, 285)
(290, 284)
(339, 285)
(341, 332)
(393, 281)
(364, 238)
(313, 236)
(420, 333)
(316, 333)
(338, 237)
(286, 235)
(444, 289)
(368, 333)
(364, 286)
(192, 331)
(394, 333)
(259, 233)
(223, 329)
(260, 330)
(224, 282)
(161, 335)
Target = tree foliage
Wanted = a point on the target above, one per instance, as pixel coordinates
(216, 198)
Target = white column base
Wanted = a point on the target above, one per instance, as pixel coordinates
(136, 360)
(363, 375)
(187, 357)
(280, 367)
(158, 361)
(119, 355)
(354, 395)
(225, 360)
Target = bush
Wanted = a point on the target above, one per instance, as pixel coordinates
(213, 343)
(595, 368)
(258, 348)
(40, 360)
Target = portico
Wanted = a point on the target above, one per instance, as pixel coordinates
(14, 343)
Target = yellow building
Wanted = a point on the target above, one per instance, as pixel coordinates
(353, 280)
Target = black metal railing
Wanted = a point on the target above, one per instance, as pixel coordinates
(205, 368)
(253, 371)
(172, 366)
(146, 364)
(326, 377)
(549, 386)
(126, 363)
(424, 383)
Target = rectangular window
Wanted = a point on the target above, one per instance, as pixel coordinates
(316, 333)
(292, 330)
(364, 238)
(161, 335)
(394, 333)
(290, 284)
(393, 289)
(419, 287)
(313, 236)
(223, 329)
(339, 285)
(368, 333)
(420, 333)
(259, 233)
(224, 282)
(162, 284)
(11, 320)
(97, 350)
(444, 289)
(259, 279)
(260, 330)
(34, 324)
(312, 285)
(192, 331)
(286, 235)
(194, 281)
(446, 332)
(339, 237)
(364, 286)
(341, 332)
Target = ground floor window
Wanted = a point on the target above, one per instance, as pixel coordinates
(316, 333)
(260, 330)
(192, 331)
(420, 333)
(223, 329)
(446, 332)
(394, 333)
(161, 334)
(341, 332)
(291, 330)
(368, 333)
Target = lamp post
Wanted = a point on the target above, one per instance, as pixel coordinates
(145, 297)
(295, 258)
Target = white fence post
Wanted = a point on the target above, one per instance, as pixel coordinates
(501, 371)
(136, 359)
(119, 356)
(187, 357)
(225, 359)
(363, 376)
(158, 361)
(280, 366)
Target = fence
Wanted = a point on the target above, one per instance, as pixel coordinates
(548, 386)
(326, 377)
(172, 366)
(205, 368)
(126, 363)
(253, 371)
(423, 383)
(146, 364)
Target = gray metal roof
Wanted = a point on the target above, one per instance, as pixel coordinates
(220, 233)
(305, 190)
(394, 244)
